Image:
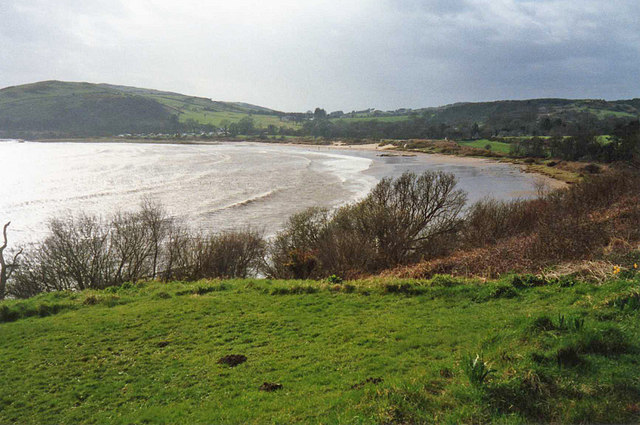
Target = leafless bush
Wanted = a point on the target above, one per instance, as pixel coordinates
(131, 248)
(488, 221)
(158, 224)
(89, 252)
(233, 254)
(398, 222)
(292, 254)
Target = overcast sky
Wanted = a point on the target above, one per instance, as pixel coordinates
(337, 54)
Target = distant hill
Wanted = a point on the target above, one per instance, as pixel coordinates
(505, 118)
(532, 109)
(67, 109)
(484, 112)
(56, 108)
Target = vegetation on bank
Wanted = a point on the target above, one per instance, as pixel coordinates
(444, 350)
(411, 226)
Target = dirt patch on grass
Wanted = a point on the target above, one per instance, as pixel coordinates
(270, 387)
(232, 360)
(374, 381)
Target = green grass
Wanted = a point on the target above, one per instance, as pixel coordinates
(148, 353)
(604, 140)
(216, 117)
(480, 144)
(605, 113)
(365, 118)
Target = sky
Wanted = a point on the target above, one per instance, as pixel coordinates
(336, 54)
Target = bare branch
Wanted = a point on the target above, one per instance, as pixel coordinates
(4, 234)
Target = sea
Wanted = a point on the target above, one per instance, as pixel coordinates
(214, 187)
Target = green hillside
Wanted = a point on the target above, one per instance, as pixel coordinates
(66, 109)
(525, 110)
(206, 111)
(382, 351)
(55, 108)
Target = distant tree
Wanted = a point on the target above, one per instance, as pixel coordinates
(224, 126)
(6, 268)
(173, 123)
(475, 130)
(246, 125)
(546, 125)
(319, 114)
(191, 125)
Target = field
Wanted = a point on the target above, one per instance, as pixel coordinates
(215, 118)
(205, 111)
(393, 118)
(379, 351)
(605, 113)
(480, 144)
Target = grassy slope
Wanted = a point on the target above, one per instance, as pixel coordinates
(29, 103)
(148, 353)
(205, 111)
(78, 108)
(480, 144)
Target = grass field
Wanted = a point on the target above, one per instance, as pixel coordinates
(215, 118)
(480, 144)
(604, 113)
(393, 118)
(383, 351)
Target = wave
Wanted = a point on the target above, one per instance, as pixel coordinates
(257, 198)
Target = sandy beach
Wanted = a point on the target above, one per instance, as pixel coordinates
(389, 150)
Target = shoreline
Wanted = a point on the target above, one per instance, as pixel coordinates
(551, 180)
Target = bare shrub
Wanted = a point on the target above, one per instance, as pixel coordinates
(346, 247)
(402, 220)
(233, 254)
(292, 254)
(131, 247)
(87, 252)
(403, 215)
(155, 219)
(77, 254)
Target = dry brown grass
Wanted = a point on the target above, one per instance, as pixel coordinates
(596, 271)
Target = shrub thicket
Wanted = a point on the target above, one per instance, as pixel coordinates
(87, 252)
(401, 221)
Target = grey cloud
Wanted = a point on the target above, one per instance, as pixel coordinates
(340, 55)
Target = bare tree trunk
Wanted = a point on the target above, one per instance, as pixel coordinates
(6, 269)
